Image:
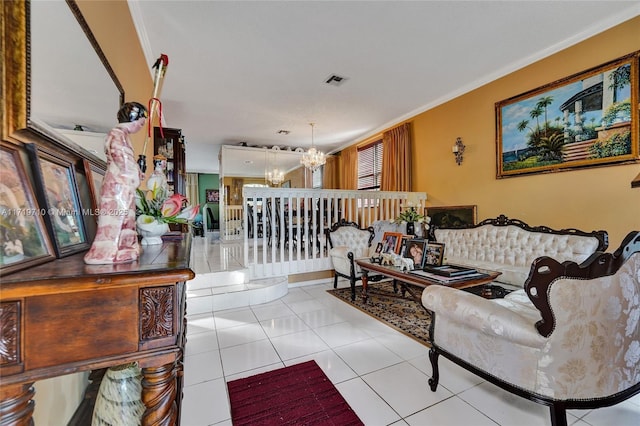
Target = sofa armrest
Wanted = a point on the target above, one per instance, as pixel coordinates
(340, 260)
(484, 315)
(545, 271)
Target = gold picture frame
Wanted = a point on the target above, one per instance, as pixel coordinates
(23, 237)
(452, 216)
(585, 120)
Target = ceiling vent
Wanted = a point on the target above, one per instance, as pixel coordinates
(335, 80)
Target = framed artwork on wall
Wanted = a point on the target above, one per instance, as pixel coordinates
(23, 237)
(212, 195)
(585, 120)
(452, 216)
(57, 193)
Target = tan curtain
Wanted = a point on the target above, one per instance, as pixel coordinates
(396, 159)
(330, 173)
(192, 189)
(348, 173)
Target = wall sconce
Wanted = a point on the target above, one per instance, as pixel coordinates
(458, 150)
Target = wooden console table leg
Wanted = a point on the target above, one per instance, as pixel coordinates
(16, 406)
(159, 389)
(365, 281)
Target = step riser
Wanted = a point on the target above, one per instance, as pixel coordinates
(214, 279)
(203, 297)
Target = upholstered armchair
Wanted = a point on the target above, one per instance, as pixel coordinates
(347, 242)
(570, 339)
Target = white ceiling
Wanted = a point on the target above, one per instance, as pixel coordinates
(240, 71)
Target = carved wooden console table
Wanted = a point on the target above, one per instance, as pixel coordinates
(64, 317)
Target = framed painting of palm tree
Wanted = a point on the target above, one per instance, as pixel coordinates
(585, 120)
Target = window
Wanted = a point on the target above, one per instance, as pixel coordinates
(370, 166)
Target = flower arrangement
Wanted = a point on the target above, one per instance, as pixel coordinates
(156, 205)
(411, 215)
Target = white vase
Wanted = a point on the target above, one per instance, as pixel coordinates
(152, 232)
(119, 400)
(419, 229)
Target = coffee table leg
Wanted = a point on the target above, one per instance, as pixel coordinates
(365, 281)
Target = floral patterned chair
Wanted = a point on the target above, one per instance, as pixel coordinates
(570, 339)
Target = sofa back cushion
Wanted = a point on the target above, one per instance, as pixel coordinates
(512, 248)
(355, 239)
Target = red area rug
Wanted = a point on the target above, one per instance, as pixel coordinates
(300, 394)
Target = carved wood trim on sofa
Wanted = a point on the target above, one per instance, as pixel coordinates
(502, 220)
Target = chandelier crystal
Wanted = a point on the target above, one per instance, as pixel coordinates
(313, 159)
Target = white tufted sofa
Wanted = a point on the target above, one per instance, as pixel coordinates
(569, 340)
(510, 246)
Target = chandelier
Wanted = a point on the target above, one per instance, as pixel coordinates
(276, 176)
(313, 158)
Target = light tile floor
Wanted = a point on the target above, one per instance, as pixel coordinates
(381, 373)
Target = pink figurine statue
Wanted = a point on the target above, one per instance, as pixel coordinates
(116, 239)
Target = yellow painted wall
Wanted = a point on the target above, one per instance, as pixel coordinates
(112, 26)
(587, 199)
(297, 178)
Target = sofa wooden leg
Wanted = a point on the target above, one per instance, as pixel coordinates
(353, 288)
(335, 280)
(435, 377)
(558, 414)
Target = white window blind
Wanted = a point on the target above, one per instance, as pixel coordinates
(370, 166)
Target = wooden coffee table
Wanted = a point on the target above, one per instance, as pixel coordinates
(404, 277)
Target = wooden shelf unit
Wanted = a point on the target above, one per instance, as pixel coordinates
(172, 147)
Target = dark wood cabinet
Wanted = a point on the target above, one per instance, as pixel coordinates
(65, 316)
(170, 143)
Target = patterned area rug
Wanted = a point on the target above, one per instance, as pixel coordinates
(402, 313)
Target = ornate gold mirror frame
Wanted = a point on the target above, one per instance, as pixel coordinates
(17, 126)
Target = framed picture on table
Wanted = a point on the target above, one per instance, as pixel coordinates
(415, 251)
(379, 248)
(57, 193)
(23, 236)
(433, 254)
(391, 242)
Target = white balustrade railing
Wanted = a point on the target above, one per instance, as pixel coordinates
(284, 229)
(233, 222)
